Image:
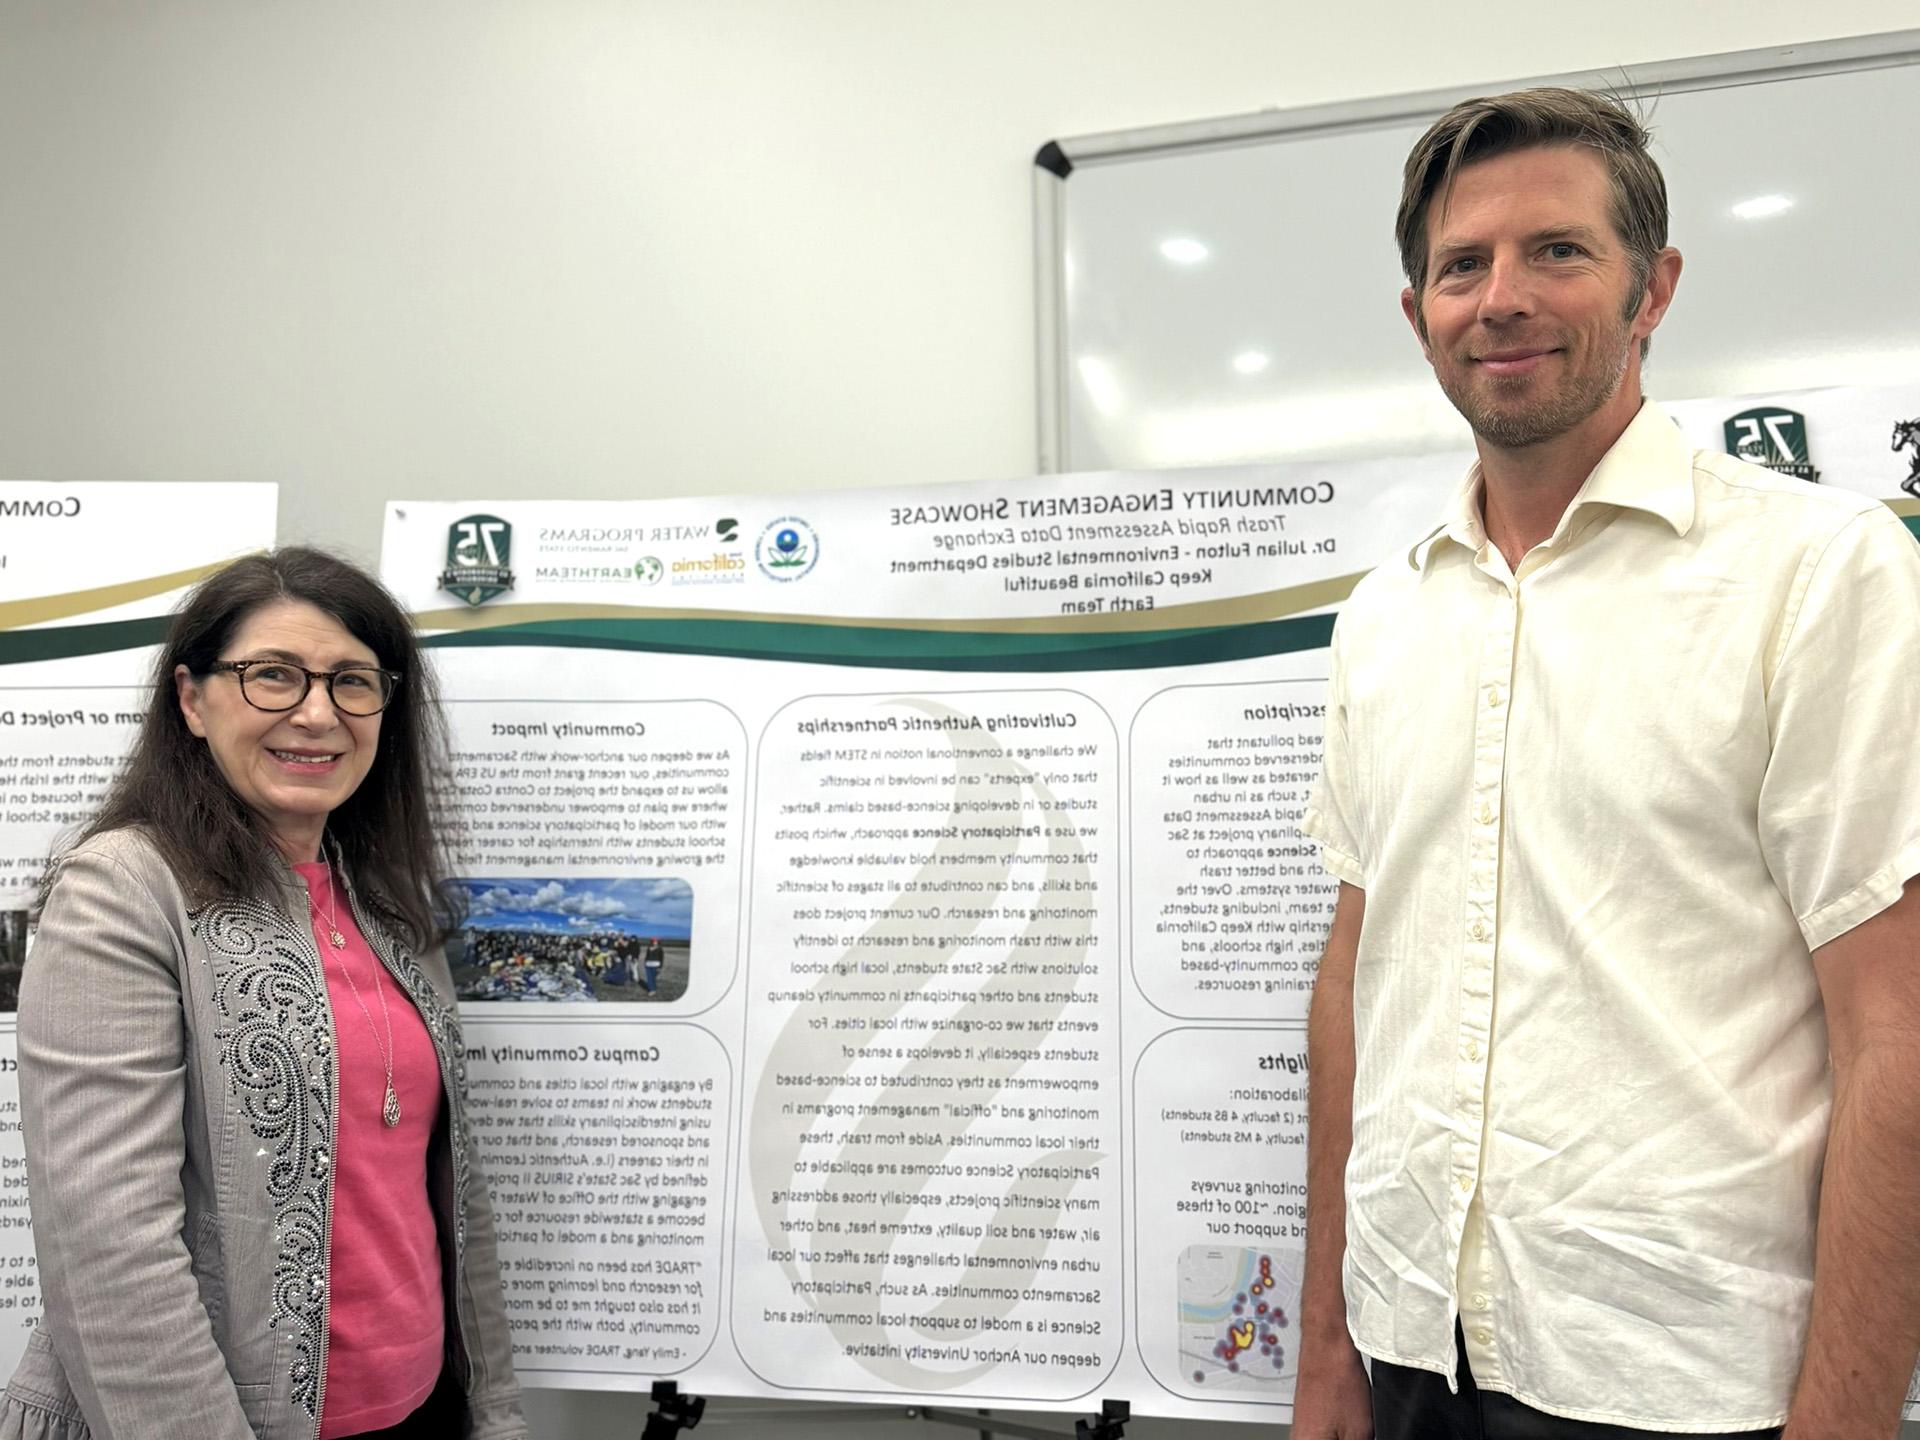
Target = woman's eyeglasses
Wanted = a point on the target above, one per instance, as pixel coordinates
(276, 685)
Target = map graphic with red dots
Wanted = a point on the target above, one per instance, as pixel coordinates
(1237, 1308)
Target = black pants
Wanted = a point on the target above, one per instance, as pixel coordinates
(441, 1416)
(1413, 1404)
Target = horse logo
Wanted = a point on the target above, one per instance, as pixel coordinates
(1906, 436)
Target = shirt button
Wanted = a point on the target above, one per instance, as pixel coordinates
(1483, 813)
(1493, 697)
(1466, 1182)
(1479, 1302)
(1484, 1336)
(1470, 1051)
(1478, 930)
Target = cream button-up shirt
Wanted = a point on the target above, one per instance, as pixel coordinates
(1603, 810)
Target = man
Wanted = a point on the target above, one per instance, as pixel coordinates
(655, 957)
(1616, 1040)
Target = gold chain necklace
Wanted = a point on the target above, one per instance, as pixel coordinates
(390, 1102)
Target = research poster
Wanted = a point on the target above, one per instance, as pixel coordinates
(88, 575)
(889, 939)
(889, 944)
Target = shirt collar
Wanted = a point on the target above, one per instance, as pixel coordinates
(1649, 468)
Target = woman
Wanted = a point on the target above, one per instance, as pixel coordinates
(253, 1195)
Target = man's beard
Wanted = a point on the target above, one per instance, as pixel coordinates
(1549, 415)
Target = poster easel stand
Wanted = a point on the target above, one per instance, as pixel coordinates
(1109, 1424)
(673, 1412)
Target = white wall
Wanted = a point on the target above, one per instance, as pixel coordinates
(461, 248)
(596, 247)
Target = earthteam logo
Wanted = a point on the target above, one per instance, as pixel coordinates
(1773, 437)
(648, 570)
(787, 548)
(479, 549)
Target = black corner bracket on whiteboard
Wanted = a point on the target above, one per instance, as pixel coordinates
(1051, 158)
(674, 1412)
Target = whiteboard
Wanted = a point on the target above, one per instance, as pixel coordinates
(1285, 340)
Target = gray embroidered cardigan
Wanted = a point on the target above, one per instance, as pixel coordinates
(177, 1085)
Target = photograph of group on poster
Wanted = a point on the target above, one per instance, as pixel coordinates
(575, 940)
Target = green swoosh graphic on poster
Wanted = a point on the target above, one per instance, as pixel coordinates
(62, 642)
(903, 649)
(19, 647)
(39, 609)
(1237, 628)
(1193, 615)
(1909, 513)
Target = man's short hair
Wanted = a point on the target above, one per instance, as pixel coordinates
(1494, 125)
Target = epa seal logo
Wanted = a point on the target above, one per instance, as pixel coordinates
(1775, 438)
(648, 570)
(479, 549)
(787, 548)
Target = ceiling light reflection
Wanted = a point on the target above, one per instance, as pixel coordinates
(1251, 362)
(1763, 207)
(1102, 387)
(1183, 250)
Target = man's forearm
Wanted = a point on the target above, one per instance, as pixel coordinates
(1866, 1272)
(1866, 1286)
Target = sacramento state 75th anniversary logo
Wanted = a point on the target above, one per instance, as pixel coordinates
(1772, 436)
(478, 551)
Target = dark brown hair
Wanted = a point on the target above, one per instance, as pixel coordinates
(1499, 124)
(218, 847)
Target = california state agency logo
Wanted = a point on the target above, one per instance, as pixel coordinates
(1772, 436)
(787, 549)
(478, 551)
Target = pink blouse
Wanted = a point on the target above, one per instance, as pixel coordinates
(386, 1321)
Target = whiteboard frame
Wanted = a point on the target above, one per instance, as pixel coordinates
(1884, 50)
